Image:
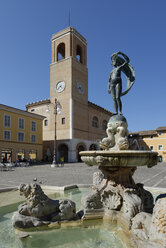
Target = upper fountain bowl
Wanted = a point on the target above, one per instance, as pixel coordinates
(123, 158)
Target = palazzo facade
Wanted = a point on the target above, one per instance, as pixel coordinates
(20, 135)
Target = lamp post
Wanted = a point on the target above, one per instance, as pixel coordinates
(57, 110)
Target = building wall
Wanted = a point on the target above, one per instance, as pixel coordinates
(83, 132)
(14, 145)
(101, 114)
(147, 141)
(36, 151)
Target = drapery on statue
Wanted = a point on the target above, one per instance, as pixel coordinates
(115, 81)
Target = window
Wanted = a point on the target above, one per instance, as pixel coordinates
(33, 138)
(20, 136)
(79, 54)
(151, 148)
(33, 126)
(95, 122)
(104, 125)
(160, 147)
(63, 121)
(32, 110)
(142, 148)
(21, 123)
(45, 122)
(6, 135)
(7, 120)
(61, 51)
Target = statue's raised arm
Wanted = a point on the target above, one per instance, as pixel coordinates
(125, 56)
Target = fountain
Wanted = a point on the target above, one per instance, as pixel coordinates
(115, 195)
(115, 198)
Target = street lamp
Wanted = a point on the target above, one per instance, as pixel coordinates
(57, 110)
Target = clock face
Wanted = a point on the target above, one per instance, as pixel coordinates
(60, 86)
(80, 88)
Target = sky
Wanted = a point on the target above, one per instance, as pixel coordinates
(136, 28)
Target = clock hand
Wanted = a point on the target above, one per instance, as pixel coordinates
(59, 87)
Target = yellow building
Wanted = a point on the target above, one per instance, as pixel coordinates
(82, 123)
(154, 140)
(20, 134)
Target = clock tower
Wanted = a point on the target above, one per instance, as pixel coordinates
(69, 83)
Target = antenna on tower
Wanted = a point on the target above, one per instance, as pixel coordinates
(69, 17)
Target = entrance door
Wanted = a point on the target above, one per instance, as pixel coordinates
(63, 153)
(80, 149)
(6, 156)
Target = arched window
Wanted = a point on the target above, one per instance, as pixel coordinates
(79, 54)
(95, 122)
(46, 122)
(104, 125)
(61, 51)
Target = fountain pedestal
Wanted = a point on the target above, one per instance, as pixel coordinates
(115, 192)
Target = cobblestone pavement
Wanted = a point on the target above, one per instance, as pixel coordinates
(76, 173)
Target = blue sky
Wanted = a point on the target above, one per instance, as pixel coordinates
(137, 28)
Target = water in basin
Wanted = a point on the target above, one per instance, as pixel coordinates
(89, 235)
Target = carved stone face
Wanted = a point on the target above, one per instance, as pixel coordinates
(116, 124)
(24, 189)
(117, 121)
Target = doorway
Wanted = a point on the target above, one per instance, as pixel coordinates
(6, 156)
(80, 148)
(63, 153)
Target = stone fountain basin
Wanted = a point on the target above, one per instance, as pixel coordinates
(122, 158)
(79, 234)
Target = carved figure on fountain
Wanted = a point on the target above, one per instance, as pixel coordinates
(97, 179)
(92, 201)
(151, 227)
(111, 198)
(40, 210)
(67, 210)
(38, 204)
(141, 224)
(117, 134)
(146, 198)
(132, 204)
(158, 222)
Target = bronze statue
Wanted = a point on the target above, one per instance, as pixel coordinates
(115, 81)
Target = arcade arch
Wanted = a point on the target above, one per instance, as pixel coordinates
(63, 152)
(93, 147)
(80, 147)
